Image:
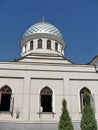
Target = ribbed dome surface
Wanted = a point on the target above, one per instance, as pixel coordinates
(43, 27)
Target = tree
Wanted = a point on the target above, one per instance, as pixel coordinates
(65, 120)
(88, 121)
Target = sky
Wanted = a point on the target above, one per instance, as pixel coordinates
(76, 19)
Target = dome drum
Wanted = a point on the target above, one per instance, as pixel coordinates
(42, 35)
(47, 46)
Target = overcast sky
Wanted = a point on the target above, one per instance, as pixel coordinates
(76, 19)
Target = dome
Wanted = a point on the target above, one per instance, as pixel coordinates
(43, 27)
(43, 30)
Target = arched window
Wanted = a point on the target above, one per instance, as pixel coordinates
(56, 46)
(5, 98)
(82, 92)
(40, 43)
(31, 45)
(48, 44)
(46, 99)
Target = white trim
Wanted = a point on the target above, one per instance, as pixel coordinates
(53, 102)
(79, 102)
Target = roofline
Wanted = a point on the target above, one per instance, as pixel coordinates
(92, 60)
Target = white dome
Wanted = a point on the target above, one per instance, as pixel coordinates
(43, 27)
(43, 30)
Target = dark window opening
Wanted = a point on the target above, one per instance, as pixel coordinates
(5, 97)
(46, 99)
(56, 46)
(82, 92)
(31, 45)
(48, 44)
(39, 43)
(46, 103)
(5, 102)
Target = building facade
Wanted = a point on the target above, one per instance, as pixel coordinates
(32, 87)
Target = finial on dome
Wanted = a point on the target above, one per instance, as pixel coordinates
(43, 19)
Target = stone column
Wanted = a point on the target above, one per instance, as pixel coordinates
(26, 99)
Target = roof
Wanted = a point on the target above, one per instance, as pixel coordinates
(94, 61)
(43, 27)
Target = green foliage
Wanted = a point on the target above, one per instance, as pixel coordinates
(65, 120)
(86, 99)
(88, 121)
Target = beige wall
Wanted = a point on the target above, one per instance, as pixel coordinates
(65, 80)
(56, 85)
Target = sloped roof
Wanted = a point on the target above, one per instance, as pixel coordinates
(94, 61)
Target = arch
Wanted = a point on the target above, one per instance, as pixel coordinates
(5, 98)
(82, 92)
(56, 46)
(31, 45)
(46, 99)
(40, 43)
(85, 90)
(48, 44)
(6, 89)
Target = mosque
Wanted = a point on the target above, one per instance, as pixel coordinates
(32, 87)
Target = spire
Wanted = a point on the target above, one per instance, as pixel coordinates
(43, 19)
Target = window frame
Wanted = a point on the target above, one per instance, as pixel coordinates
(82, 92)
(31, 45)
(56, 46)
(48, 44)
(46, 91)
(5, 94)
(40, 44)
